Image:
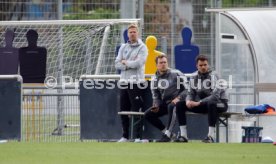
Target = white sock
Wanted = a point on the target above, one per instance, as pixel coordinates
(164, 130)
(183, 131)
(211, 132)
(168, 133)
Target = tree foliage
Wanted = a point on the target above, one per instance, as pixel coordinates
(244, 3)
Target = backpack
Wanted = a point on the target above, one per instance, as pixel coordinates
(258, 109)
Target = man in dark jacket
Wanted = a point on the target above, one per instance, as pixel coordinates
(167, 89)
(205, 95)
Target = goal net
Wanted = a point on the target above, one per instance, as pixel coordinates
(74, 47)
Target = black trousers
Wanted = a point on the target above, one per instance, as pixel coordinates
(164, 109)
(212, 108)
(131, 99)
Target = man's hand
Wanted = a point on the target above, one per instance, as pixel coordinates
(175, 100)
(154, 109)
(124, 62)
(192, 104)
(189, 104)
(195, 104)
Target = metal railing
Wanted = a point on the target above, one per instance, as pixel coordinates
(43, 120)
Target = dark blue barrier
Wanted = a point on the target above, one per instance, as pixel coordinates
(99, 107)
(98, 113)
(10, 108)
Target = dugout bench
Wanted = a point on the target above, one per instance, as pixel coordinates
(133, 115)
(222, 121)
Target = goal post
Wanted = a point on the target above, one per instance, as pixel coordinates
(74, 47)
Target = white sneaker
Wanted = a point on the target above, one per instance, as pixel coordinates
(3, 141)
(123, 139)
(137, 140)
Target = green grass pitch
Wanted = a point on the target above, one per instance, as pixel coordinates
(136, 153)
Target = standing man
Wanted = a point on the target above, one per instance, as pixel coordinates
(205, 95)
(131, 62)
(167, 89)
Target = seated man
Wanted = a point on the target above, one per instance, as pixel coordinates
(167, 90)
(204, 96)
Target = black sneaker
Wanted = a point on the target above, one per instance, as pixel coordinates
(181, 139)
(208, 139)
(173, 136)
(164, 138)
